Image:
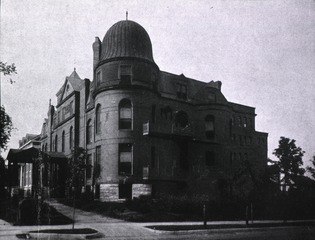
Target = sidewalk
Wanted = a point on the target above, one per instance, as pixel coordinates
(81, 216)
(114, 228)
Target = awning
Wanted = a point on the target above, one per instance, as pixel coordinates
(28, 155)
(23, 155)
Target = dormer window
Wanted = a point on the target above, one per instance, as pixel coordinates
(181, 91)
(125, 74)
(211, 97)
(210, 126)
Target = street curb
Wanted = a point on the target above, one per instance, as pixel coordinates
(232, 230)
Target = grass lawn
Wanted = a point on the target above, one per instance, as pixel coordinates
(122, 211)
(9, 212)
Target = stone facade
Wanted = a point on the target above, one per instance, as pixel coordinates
(149, 131)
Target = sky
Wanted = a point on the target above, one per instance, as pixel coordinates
(263, 52)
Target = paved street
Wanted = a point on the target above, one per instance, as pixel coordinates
(117, 229)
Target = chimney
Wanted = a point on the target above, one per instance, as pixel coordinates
(96, 51)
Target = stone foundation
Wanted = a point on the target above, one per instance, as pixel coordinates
(141, 189)
(109, 192)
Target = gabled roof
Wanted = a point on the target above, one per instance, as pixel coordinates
(74, 82)
(210, 92)
(168, 81)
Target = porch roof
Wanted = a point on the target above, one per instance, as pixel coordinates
(28, 155)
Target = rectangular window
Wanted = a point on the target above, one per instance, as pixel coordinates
(241, 140)
(210, 126)
(250, 123)
(152, 156)
(98, 77)
(125, 74)
(210, 158)
(245, 122)
(89, 166)
(153, 113)
(181, 91)
(239, 121)
(125, 118)
(97, 166)
(125, 159)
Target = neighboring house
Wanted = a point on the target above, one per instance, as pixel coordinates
(297, 182)
(147, 131)
(21, 177)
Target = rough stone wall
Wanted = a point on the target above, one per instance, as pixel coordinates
(109, 192)
(141, 189)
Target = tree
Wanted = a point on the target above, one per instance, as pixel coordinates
(3, 177)
(311, 169)
(5, 128)
(5, 120)
(8, 69)
(290, 159)
(77, 165)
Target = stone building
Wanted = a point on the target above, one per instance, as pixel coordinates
(147, 131)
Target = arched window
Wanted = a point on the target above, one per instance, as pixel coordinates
(210, 126)
(181, 119)
(98, 119)
(125, 114)
(63, 141)
(71, 138)
(56, 143)
(46, 147)
(89, 131)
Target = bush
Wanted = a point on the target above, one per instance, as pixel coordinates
(168, 203)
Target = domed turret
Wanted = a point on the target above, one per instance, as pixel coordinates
(126, 39)
(124, 58)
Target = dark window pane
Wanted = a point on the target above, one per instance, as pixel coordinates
(89, 166)
(125, 124)
(153, 157)
(71, 138)
(125, 159)
(210, 158)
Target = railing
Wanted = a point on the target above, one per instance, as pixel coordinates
(171, 129)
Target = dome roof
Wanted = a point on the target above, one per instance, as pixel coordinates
(127, 39)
